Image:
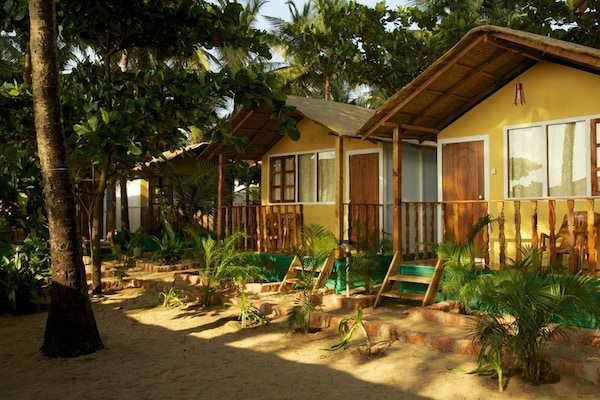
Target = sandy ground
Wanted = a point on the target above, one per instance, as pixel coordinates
(187, 352)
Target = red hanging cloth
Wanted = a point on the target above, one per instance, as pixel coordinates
(519, 94)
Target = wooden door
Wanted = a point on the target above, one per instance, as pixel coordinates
(364, 208)
(462, 185)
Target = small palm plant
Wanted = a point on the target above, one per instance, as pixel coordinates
(346, 329)
(459, 260)
(221, 262)
(317, 246)
(522, 311)
(249, 314)
(170, 298)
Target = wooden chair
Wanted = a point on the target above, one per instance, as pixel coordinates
(580, 233)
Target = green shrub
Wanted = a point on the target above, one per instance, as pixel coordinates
(21, 283)
(521, 310)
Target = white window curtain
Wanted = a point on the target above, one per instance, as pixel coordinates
(547, 160)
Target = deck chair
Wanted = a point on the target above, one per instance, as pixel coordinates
(580, 232)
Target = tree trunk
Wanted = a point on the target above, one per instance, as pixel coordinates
(327, 87)
(71, 327)
(125, 229)
(97, 224)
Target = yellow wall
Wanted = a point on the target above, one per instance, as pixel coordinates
(313, 137)
(552, 92)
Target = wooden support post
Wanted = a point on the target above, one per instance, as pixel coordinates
(591, 237)
(397, 191)
(501, 234)
(339, 192)
(220, 197)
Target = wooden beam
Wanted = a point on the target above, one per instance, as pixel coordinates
(419, 128)
(528, 48)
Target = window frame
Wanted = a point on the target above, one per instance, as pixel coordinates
(297, 178)
(543, 125)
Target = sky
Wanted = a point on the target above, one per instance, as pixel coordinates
(279, 8)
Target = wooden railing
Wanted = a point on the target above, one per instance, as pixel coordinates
(272, 228)
(516, 224)
(561, 229)
(152, 219)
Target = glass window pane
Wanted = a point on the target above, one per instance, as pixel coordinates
(277, 165)
(326, 179)
(275, 195)
(289, 194)
(566, 166)
(289, 164)
(525, 162)
(306, 178)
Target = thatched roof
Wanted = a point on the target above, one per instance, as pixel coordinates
(261, 130)
(483, 61)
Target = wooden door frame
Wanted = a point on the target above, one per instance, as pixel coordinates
(347, 154)
(486, 168)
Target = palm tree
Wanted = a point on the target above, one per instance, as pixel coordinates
(318, 42)
(71, 327)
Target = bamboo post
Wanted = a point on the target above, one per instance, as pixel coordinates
(416, 233)
(552, 227)
(501, 234)
(534, 224)
(591, 236)
(571, 225)
(517, 205)
(486, 233)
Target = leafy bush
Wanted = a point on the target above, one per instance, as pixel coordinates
(522, 310)
(22, 278)
(221, 262)
(170, 250)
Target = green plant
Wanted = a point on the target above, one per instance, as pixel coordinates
(249, 314)
(363, 267)
(298, 319)
(21, 283)
(522, 310)
(317, 246)
(170, 250)
(346, 329)
(459, 260)
(364, 263)
(221, 262)
(170, 298)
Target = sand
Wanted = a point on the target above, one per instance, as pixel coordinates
(194, 353)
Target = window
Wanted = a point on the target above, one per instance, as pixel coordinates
(314, 178)
(546, 160)
(283, 179)
(595, 156)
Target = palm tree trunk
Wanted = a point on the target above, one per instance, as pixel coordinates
(71, 327)
(327, 87)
